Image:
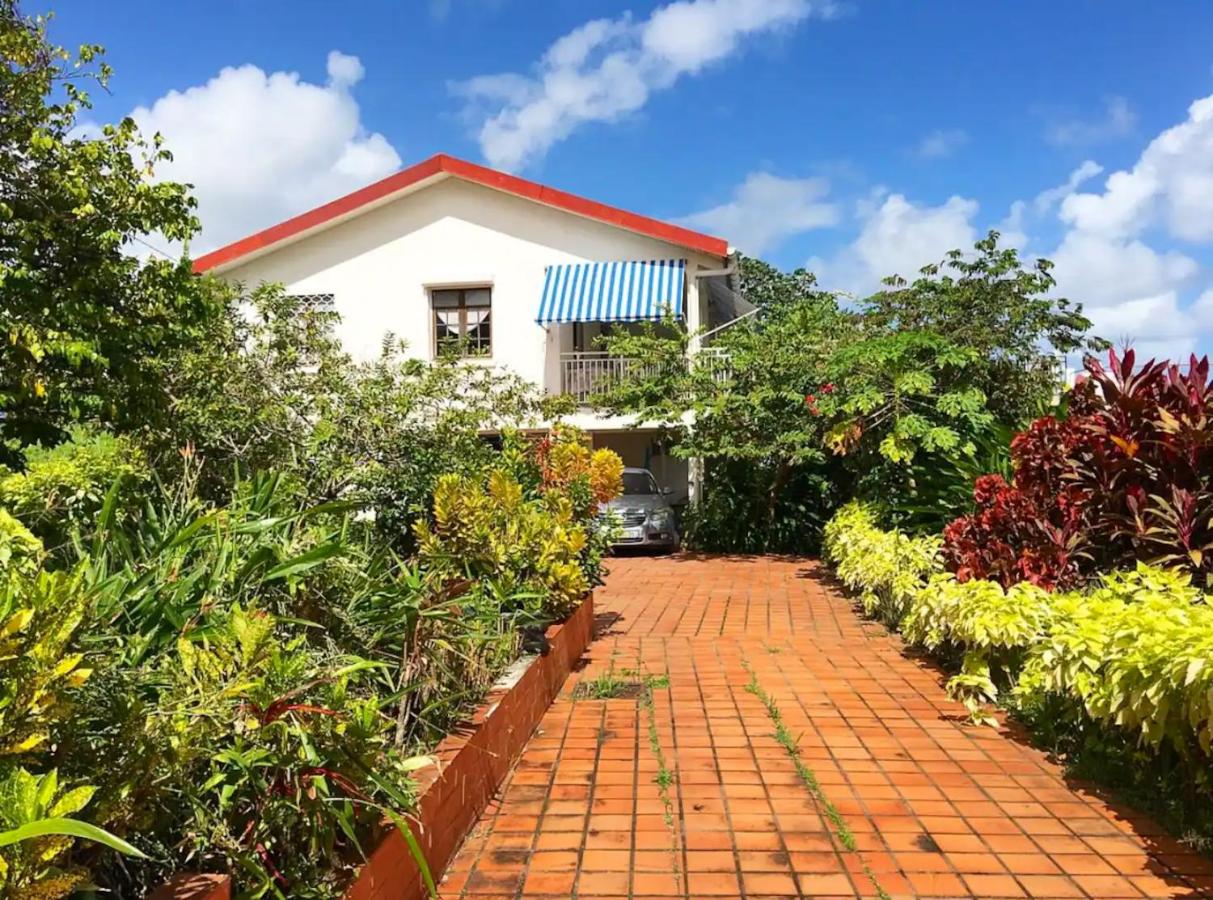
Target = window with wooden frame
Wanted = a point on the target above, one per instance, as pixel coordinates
(462, 325)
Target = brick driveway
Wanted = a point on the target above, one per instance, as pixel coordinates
(909, 801)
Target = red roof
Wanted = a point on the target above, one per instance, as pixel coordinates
(444, 166)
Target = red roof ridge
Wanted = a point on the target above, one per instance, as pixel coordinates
(442, 164)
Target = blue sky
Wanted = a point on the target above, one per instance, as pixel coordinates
(860, 136)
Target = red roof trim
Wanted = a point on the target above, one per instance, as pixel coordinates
(458, 168)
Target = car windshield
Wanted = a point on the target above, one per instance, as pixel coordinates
(639, 483)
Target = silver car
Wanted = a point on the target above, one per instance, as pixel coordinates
(643, 515)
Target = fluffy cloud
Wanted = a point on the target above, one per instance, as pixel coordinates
(766, 209)
(1101, 271)
(1117, 120)
(1131, 288)
(941, 144)
(1047, 199)
(261, 147)
(608, 68)
(898, 237)
(1157, 326)
(1171, 184)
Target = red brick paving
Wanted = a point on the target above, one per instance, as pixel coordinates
(938, 808)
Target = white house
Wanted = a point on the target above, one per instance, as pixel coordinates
(523, 275)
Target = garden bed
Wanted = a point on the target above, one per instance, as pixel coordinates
(472, 764)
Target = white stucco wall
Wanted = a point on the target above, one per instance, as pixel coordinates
(380, 265)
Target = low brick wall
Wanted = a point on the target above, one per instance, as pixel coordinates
(472, 765)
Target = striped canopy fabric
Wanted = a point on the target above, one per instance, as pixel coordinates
(623, 291)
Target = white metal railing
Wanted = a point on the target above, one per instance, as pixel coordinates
(714, 360)
(586, 374)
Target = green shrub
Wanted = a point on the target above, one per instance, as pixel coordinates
(63, 488)
(1137, 653)
(268, 673)
(20, 551)
(990, 626)
(489, 531)
(29, 868)
(885, 568)
(1122, 673)
(40, 613)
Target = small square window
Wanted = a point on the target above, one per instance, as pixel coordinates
(462, 321)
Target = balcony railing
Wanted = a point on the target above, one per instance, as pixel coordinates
(587, 374)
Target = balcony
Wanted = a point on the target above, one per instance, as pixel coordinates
(587, 374)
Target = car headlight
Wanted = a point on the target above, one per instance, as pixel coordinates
(660, 518)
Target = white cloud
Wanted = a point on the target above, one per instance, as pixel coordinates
(766, 209)
(608, 68)
(1100, 271)
(898, 237)
(1203, 306)
(260, 147)
(1171, 184)
(1114, 258)
(1050, 197)
(1118, 120)
(1155, 327)
(1014, 229)
(941, 143)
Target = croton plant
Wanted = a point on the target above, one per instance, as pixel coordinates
(1127, 474)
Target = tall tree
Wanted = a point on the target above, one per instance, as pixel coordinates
(1003, 312)
(84, 312)
(741, 408)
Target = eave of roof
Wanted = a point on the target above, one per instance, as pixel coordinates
(448, 166)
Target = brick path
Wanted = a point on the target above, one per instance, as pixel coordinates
(933, 807)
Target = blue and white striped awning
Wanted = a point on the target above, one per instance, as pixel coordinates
(624, 291)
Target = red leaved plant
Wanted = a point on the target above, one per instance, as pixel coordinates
(1127, 475)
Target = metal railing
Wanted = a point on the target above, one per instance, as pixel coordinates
(714, 360)
(587, 374)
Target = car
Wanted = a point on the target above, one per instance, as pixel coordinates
(643, 514)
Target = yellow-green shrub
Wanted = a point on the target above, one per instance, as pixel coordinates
(1133, 653)
(488, 530)
(20, 551)
(63, 487)
(885, 568)
(36, 868)
(992, 626)
(40, 613)
(1137, 653)
(39, 616)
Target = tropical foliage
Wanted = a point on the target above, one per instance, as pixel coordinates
(246, 584)
(85, 316)
(1126, 662)
(63, 488)
(261, 674)
(886, 568)
(762, 446)
(1127, 475)
(811, 400)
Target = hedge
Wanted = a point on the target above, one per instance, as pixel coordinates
(1134, 653)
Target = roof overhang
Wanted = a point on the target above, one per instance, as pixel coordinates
(431, 171)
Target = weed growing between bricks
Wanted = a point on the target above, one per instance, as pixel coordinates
(784, 738)
(608, 687)
(664, 777)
